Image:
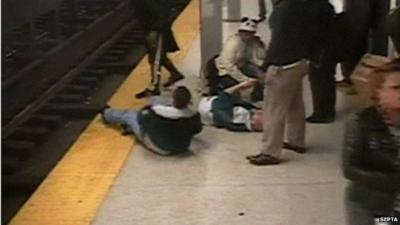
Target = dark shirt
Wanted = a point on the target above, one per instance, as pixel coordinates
(155, 14)
(169, 134)
(288, 37)
(370, 161)
(321, 18)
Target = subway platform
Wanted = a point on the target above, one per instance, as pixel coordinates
(108, 179)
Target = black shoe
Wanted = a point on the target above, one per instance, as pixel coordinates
(125, 130)
(320, 119)
(147, 93)
(175, 77)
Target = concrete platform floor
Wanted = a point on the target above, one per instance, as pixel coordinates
(215, 185)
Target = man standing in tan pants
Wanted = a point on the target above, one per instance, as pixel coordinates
(283, 101)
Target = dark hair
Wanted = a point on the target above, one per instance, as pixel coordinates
(182, 97)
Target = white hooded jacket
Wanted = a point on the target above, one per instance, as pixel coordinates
(237, 51)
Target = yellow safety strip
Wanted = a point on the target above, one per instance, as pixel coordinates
(76, 187)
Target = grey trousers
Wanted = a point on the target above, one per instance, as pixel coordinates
(283, 108)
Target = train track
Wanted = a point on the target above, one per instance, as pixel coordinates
(49, 105)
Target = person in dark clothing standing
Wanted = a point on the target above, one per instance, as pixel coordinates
(283, 109)
(157, 19)
(322, 60)
(371, 156)
(358, 18)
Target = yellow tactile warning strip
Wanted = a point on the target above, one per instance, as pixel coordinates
(74, 190)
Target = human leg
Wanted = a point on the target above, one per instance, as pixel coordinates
(323, 90)
(125, 118)
(175, 74)
(155, 49)
(295, 125)
(276, 106)
(252, 70)
(281, 86)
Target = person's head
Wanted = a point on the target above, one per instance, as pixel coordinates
(181, 97)
(389, 95)
(257, 120)
(247, 29)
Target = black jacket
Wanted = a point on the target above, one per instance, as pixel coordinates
(288, 39)
(320, 28)
(370, 161)
(156, 15)
(172, 135)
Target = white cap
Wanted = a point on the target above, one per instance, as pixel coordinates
(249, 25)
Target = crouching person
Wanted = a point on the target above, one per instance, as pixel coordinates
(227, 110)
(161, 128)
(241, 58)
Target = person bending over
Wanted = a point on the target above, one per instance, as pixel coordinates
(371, 157)
(226, 110)
(162, 128)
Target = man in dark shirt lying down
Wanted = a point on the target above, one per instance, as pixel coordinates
(162, 128)
(227, 110)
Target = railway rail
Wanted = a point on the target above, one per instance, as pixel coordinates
(50, 95)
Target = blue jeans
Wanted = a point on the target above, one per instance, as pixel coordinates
(222, 109)
(128, 118)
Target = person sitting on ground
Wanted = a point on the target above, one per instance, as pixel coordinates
(371, 155)
(226, 110)
(161, 128)
(241, 58)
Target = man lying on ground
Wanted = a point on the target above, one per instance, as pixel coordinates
(161, 128)
(227, 110)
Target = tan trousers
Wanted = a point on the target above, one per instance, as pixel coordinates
(284, 108)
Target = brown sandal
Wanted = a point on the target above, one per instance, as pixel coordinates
(263, 160)
(294, 148)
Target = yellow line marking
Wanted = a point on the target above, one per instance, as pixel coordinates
(76, 187)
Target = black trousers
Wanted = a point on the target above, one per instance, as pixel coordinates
(157, 55)
(323, 88)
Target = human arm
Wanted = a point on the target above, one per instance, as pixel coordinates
(245, 84)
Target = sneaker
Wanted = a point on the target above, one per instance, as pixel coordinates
(102, 113)
(125, 130)
(175, 77)
(294, 148)
(264, 160)
(147, 93)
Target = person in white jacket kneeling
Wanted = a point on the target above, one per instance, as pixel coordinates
(241, 58)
